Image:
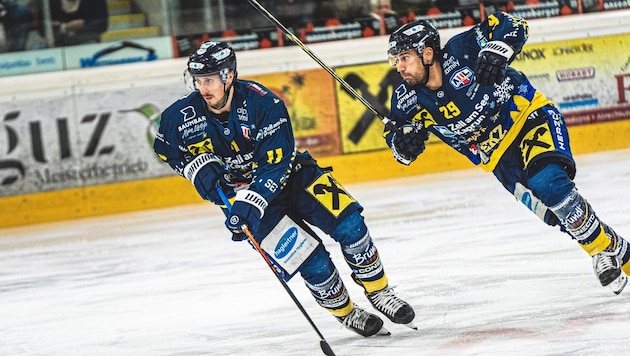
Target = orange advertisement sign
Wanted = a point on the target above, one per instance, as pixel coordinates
(309, 96)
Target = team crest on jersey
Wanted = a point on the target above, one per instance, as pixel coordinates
(462, 78)
(246, 131)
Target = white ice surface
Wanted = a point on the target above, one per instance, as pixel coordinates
(485, 276)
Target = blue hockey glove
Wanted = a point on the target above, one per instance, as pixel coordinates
(492, 63)
(408, 146)
(247, 210)
(206, 171)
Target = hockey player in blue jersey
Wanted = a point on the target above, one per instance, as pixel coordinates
(470, 98)
(236, 135)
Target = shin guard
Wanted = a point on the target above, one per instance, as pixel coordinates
(580, 221)
(365, 263)
(331, 294)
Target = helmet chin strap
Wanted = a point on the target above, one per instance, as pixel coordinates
(425, 80)
(221, 104)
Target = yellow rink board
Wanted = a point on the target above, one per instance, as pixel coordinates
(175, 190)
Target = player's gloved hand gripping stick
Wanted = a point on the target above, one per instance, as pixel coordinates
(245, 229)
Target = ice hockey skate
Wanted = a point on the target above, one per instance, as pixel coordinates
(608, 270)
(394, 308)
(386, 302)
(607, 264)
(363, 323)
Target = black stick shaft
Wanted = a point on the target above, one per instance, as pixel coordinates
(343, 83)
(322, 341)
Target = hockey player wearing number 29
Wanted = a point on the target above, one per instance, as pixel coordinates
(468, 96)
(236, 135)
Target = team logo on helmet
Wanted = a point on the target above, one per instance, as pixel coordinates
(414, 29)
(195, 65)
(222, 54)
(204, 47)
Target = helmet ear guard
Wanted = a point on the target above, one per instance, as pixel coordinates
(189, 81)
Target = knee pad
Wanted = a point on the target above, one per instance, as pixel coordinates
(551, 184)
(318, 267)
(360, 252)
(350, 230)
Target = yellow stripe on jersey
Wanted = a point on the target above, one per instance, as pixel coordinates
(519, 116)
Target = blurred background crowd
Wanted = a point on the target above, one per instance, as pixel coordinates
(36, 24)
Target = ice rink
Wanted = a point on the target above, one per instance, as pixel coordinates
(485, 276)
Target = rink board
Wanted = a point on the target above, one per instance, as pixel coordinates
(353, 168)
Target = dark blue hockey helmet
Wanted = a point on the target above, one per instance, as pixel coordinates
(417, 35)
(212, 58)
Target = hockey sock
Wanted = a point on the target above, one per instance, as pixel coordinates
(322, 279)
(365, 263)
(332, 295)
(580, 221)
(360, 253)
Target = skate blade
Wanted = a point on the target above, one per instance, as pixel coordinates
(411, 325)
(383, 332)
(618, 284)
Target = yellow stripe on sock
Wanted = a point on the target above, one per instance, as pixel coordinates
(378, 284)
(343, 311)
(598, 245)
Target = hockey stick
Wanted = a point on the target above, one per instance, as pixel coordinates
(322, 341)
(344, 84)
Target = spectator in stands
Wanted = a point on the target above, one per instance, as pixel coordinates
(389, 19)
(381, 8)
(76, 22)
(325, 14)
(16, 19)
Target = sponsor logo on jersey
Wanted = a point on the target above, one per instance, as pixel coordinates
(481, 37)
(405, 99)
(242, 162)
(204, 146)
(444, 131)
(188, 112)
(271, 128)
(461, 78)
(450, 64)
(197, 124)
(286, 243)
(242, 112)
